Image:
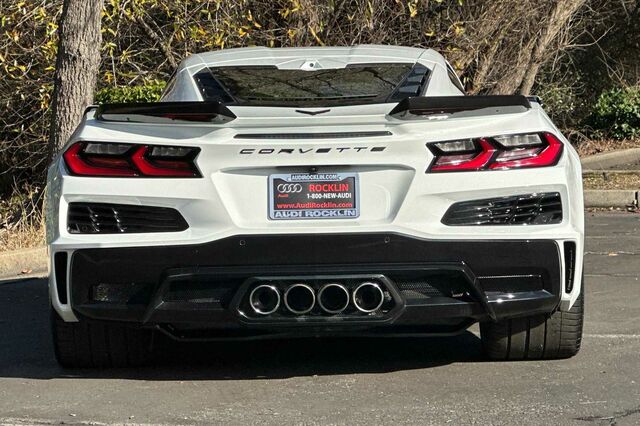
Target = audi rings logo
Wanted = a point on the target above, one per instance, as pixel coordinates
(289, 188)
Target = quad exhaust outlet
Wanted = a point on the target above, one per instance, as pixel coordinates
(331, 298)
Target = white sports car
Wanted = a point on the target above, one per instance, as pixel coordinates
(315, 191)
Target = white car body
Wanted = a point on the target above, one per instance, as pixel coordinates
(396, 194)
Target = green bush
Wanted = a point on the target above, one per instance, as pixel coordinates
(149, 92)
(563, 103)
(616, 113)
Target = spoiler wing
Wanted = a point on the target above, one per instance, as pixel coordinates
(165, 112)
(474, 105)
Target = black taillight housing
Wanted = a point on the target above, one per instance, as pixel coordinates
(102, 159)
(496, 153)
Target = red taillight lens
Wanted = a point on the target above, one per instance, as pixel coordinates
(151, 165)
(496, 153)
(547, 153)
(126, 160)
(474, 159)
(86, 159)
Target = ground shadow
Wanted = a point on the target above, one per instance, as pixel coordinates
(26, 350)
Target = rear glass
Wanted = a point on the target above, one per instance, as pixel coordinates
(270, 86)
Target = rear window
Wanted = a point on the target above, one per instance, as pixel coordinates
(353, 85)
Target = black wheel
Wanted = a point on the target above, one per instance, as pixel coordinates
(99, 345)
(554, 336)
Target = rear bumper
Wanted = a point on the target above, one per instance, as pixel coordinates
(434, 285)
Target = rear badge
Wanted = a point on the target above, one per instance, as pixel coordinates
(313, 196)
(322, 111)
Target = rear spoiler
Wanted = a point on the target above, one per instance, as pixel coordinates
(443, 105)
(165, 112)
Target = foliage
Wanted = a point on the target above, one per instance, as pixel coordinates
(561, 102)
(149, 92)
(28, 39)
(616, 113)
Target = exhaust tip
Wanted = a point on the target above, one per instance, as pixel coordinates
(299, 298)
(333, 298)
(264, 299)
(368, 297)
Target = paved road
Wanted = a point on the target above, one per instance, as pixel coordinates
(420, 381)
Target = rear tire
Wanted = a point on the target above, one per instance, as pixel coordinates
(554, 336)
(99, 345)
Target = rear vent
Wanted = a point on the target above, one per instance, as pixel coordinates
(428, 284)
(419, 289)
(413, 84)
(511, 283)
(201, 290)
(327, 135)
(60, 272)
(98, 218)
(122, 293)
(530, 209)
(569, 265)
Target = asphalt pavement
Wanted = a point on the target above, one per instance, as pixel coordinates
(350, 381)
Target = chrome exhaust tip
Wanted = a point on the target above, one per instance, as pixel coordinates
(299, 298)
(264, 299)
(333, 298)
(368, 297)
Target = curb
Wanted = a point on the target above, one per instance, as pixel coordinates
(610, 159)
(610, 198)
(13, 263)
(589, 172)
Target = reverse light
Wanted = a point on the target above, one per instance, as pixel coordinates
(128, 160)
(498, 152)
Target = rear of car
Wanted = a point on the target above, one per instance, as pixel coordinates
(315, 191)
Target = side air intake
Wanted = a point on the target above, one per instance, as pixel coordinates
(100, 218)
(569, 265)
(529, 209)
(60, 273)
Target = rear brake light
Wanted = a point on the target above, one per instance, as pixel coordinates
(161, 166)
(475, 157)
(500, 152)
(127, 160)
(546, 153)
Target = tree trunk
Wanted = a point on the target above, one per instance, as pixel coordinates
(559, 19)
(508, 84)
(77, 66)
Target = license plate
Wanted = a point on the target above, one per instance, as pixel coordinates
(313, 196)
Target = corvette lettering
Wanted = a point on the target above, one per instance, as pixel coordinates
(268, 151)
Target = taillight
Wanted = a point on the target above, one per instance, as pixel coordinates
(128, 160)
(496, 153)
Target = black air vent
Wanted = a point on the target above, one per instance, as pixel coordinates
(428, 284)
(530, 209)
(569, 265)
(60, 270)
(99, 218)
